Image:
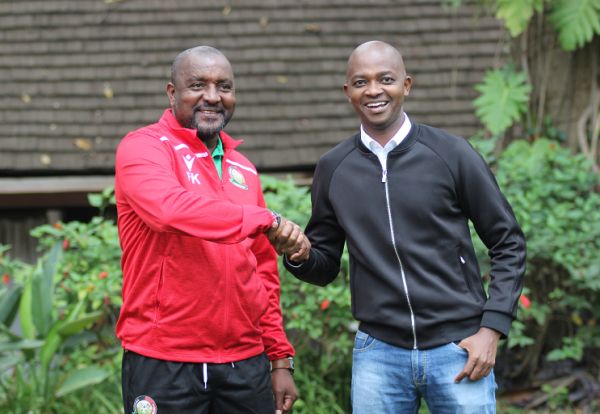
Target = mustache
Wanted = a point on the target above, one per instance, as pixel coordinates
(215, 108)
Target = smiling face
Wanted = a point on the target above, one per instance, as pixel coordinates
(201, 91)
(376, 85)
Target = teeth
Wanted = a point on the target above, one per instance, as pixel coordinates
(376, 104)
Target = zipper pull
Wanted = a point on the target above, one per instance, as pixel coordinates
(383, 176)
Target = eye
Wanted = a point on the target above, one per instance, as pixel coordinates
(197, 85)
(387, 80)
(358, 83)
(225, 87)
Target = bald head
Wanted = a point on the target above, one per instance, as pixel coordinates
(199, 53)
(375, 50)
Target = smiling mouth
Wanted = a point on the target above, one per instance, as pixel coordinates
(208, 112)
(377, 107)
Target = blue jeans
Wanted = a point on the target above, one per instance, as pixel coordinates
(389, 379)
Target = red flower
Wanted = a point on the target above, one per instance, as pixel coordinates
(6, 278)
(102, 275)
(58, 226)
(525, 301)
(65, 244)
(325, 304)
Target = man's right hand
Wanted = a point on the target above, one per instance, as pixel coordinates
(287, 238)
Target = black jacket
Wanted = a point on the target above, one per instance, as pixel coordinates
(414, 275)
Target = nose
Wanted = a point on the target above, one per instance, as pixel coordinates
(211, 95)
(373, 89)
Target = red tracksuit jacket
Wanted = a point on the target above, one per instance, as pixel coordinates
(200, 279)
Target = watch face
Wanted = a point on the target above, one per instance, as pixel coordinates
(291, 363)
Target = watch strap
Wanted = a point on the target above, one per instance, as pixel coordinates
(283, 363)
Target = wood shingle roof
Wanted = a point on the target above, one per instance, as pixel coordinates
(79, 74)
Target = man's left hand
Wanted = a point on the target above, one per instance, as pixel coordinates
(284, 390)
(481, 348)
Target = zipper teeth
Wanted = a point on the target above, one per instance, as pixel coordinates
(412, 315)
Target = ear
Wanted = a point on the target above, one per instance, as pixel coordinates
(171, 93)
(346, 92)
(407, 85)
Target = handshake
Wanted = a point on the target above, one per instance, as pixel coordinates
(289, 239)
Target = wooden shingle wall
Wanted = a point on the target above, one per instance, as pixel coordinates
(78, 74)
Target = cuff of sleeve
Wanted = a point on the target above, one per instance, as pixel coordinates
(299, 268)
(283, 351)
(497, 321)
(256, 220)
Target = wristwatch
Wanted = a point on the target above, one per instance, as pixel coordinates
(283, 363)
(276, 220)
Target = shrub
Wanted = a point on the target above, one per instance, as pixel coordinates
(552, 194)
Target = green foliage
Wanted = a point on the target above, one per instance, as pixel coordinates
(558, 397)
(504, 97)
(576, 21)
(67, 304)
(91, 265)
(552, 194)
(516, 14)
(318, 319)
(103, 200)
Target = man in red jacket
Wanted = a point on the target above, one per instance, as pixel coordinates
(201, 323)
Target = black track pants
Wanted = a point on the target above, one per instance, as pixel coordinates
(195, 388)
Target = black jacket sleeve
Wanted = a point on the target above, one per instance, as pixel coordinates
(323, 231)
(496, 225)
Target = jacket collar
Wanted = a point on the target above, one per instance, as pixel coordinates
(405, 145)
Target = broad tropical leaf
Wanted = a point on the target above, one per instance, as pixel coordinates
(42, 289)
(25, 314)
(76, 326)
(9, 303)
(517, 13)
(20, 345)
(504, 97)
(576, 21)
(82, 378)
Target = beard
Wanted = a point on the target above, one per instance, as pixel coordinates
(208, 129)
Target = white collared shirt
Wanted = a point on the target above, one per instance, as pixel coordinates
(382, 152)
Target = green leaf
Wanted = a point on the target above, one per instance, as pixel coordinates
(9, 361)
(575, 21)
(20, 345)
(517, 13)
(82, 378)
(42, 291)
(9, 303)
(25, 314)
(76, 326)
(95, 200)
(51, 345)
(504, 97)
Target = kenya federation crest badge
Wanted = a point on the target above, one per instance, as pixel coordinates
(144, 405)
(237, 178)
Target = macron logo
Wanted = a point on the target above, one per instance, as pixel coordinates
(189, 161)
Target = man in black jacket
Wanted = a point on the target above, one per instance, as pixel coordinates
(401, 195)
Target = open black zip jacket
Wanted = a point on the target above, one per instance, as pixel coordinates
(413, 271)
